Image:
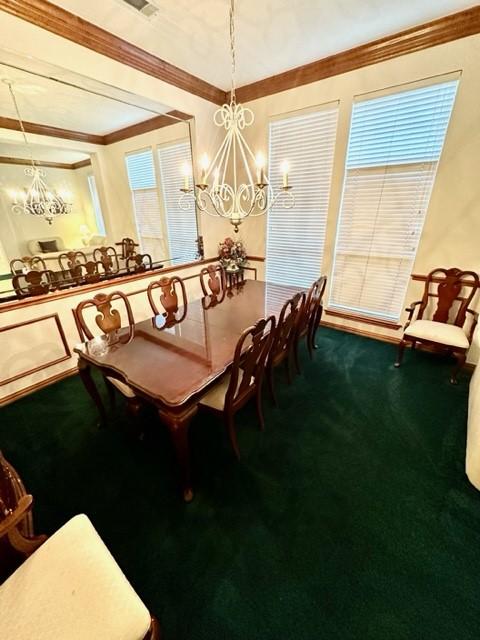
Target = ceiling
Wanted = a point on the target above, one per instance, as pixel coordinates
(41, 153)
(272, 35)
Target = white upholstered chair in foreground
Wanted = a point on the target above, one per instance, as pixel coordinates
(71, 588)
(451, 323)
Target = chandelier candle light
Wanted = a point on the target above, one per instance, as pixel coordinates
(38, 200)
(249, 192)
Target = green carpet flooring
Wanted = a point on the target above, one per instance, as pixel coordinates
(349, 517)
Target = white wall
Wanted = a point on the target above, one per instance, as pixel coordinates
(452, 229)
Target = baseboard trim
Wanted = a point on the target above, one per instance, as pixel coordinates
(37, 386)
(360, 332)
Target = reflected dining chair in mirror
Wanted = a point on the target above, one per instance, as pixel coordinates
(168, 298)
(245, 378)
(70, 262)
(108, 258)
(89, 272)
(138, 262)
(128, 246)
(213, 283)
(309, 319)
(34, 283)
(17, 538)
(27, 263)
(109, 321)
(444, 319)
(283, 342)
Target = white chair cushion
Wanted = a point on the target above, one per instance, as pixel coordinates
(71, 588)
(122, 387)
(440, 332)
(215, 397)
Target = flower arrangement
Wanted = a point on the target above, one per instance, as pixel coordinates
(232, 254)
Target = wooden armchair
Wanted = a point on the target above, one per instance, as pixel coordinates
(216, 283)
(448, 311)
(108, 258)
(109, 321)
(168, 298)
(310, 317)
(245, 378)
(283, 342)
(71, 587)
(17, 539)
(139, 262)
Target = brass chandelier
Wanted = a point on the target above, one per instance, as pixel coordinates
(240, 187)
(38, 199)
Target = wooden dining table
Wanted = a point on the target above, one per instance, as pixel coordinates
(172, 363)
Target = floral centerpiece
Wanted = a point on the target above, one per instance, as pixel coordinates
(232, 254)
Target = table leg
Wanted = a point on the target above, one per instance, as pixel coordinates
(86, 376)
(178, 425)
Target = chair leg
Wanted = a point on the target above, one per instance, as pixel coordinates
(230, 423)
(296, 356)
(401, 349)
(317, 324)
(288, 369)
(461, 358)
(310, 341)
(258, 400)
(271, 386)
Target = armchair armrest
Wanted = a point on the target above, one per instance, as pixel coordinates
(15, 517)
(411, 310)
(9, 528)
(473, 326)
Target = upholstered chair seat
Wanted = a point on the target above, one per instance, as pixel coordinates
(122, 387)
(71, 588)
(446, 334)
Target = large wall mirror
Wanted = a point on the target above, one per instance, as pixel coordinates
(90, 181)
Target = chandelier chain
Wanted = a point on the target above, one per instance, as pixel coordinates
(232, 48)
(19, 117)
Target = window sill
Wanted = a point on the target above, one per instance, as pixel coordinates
(386, 324)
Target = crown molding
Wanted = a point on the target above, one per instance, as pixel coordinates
(62, 23)
(50, 165)
(451, 27)
(158, 122)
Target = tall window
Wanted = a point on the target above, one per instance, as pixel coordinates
(181, 224)
(393, 152)
(97, 209)
(146, 205)
(296, 236)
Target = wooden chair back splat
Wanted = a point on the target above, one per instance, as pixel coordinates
(216, 283)
(27, 263)
(139, 262)
(448, 292)
(108, 319)
(70, 261)
(168, 298)
(34, 283)
(108, 258)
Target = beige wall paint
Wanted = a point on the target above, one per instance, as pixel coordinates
(452, 229)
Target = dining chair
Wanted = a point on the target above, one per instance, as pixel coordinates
(283, 342)
(34, 283)
(245, 378)
(27, 263)
(108, 257)
(441, 319)
(216, 284)
(309, 319)
(168, 298)
(138, 262)
(70, 262)
(109, 321)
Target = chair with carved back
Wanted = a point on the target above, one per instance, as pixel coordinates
(451, 322)
(89, 272)
(17, 539)
(169, 298)
(139, 262)
(128, 246)
(108, 258)
(283, 342)
(70, 586)
(213, 282)
(70, 262)
(34, 283)
(309, 319)
(109, 321)
(27, 263)
(245, 378)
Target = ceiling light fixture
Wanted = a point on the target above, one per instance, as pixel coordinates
(240, 186)
(38, 199)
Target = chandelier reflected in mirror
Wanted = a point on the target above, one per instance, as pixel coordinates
(37, 199)
(235, 185)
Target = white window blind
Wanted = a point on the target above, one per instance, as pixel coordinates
(97, 208)
(296, 236)
(181, 224)
(146, 205)
(393, 152)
